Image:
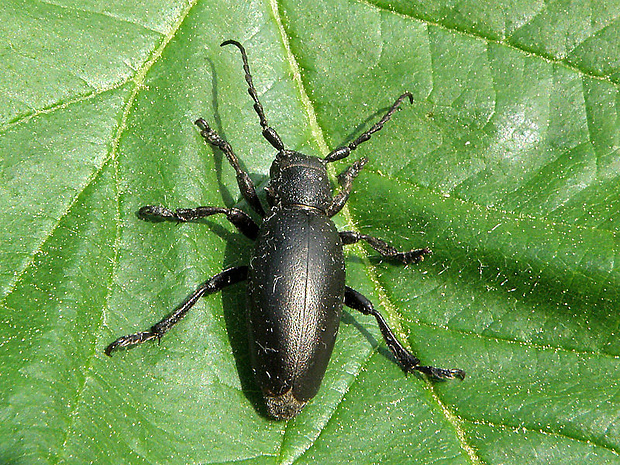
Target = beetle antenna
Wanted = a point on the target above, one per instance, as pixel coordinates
(268, 132)
(343, 152)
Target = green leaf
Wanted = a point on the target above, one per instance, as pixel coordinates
(506, 165)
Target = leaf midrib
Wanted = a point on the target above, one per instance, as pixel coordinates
(345, 213)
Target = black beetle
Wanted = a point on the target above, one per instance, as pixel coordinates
(297, 272)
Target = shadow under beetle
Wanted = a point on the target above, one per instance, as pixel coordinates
(296, 277)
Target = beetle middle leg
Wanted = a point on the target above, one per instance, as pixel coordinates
(238, 218)
(406, 359)
(385, 249)
(215, 284)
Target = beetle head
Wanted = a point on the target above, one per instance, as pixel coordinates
(298, 179)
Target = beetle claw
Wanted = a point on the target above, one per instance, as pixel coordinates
(441, 373)
(414, 256)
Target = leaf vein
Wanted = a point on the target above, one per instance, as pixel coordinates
(504, 42)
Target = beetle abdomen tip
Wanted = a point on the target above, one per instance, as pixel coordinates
(283, 407)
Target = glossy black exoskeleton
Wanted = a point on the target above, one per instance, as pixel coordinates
(296, 277)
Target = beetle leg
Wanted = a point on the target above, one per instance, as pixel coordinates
(246, 186)
(215, 284)
(240, 219)
(343, 152)
(346, 182)
(268, 132)
(385, 249)
(406, 359)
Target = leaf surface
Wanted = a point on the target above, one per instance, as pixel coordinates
(506, 165)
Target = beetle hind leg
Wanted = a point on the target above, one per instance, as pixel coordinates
(215, 284)
(406, 359)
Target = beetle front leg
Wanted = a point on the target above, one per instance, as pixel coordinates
(238, 218)
(215, 284)
(406, 359)
(346, 182)
(385, 249)
(246, 186)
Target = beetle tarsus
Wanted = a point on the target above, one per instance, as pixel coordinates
(156, 214)
(129, 340)
(441, 373)
(414, 256)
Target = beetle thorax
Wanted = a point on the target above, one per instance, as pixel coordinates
(298, 179)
